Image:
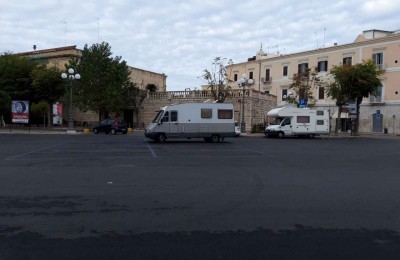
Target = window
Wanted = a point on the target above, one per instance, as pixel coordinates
(378, 60)
(206, 113)
(174, 116)
(250, 75)
(322, 66)
(286, 121)
(347, 61)
(267, 74)
(320, 112)
(225, 113)
(285, 71)
(321, 93)
(303, 119)
(284, 94)
(165, 117)
(302, 68)
(320, 122)
(235, 77)
(378, 97)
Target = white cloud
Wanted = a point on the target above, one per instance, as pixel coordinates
(181, 38)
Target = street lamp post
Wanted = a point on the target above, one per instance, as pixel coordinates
(243, 83)
(70, 76)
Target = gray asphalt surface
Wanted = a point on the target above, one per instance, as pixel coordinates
(125, 197)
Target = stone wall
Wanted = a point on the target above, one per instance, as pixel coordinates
(257, 104)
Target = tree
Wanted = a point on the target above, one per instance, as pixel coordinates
(302, 85)
(136, 97)
(15, 80)
(217, 80)
(5, 105)
(47, 85)
(338, 90)
(40, 109)
(353, 83)
(104, 80)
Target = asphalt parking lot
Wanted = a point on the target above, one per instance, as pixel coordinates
(123, 196)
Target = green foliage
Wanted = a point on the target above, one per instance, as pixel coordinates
(353, 83)
(5, 103)
(104, 80)
(40, 109)
(217, 80)
(47, 84)
(303, 85)
(15, 76)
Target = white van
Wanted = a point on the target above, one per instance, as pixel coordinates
(211, 121)
(293, 121)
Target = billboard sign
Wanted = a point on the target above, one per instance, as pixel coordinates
(57, 113)
(20, 111)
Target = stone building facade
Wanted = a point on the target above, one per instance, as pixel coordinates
(273, 73)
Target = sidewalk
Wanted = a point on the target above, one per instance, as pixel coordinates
(39, 130)
(80, 130)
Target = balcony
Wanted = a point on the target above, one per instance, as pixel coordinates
(266, 80)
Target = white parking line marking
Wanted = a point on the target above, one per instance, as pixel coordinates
(34, 151)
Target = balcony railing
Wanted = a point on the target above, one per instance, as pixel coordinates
(266, 79)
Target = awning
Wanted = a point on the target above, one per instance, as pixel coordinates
(342, 115)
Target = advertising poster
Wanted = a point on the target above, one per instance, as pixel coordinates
(20, 111)
(57, 114)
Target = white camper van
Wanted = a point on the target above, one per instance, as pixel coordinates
(293, 121)
(211, 121)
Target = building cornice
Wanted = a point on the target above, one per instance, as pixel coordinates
(321, 51)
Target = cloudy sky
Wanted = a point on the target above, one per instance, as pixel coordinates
(181, 38)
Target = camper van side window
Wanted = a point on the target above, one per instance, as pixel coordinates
(206, 113)
(165, 117)
(174, 116)
(320, 112)
(320, 122)
(303, 119)
(225, 113)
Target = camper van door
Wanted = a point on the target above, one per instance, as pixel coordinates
(286, 126)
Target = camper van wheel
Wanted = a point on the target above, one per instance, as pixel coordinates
(281, 134)
(161, 138)
(215, 138)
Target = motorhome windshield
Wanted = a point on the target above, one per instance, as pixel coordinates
(158, 117)
(277, 121)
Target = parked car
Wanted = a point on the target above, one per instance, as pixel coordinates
(237, 129)
(111, 125)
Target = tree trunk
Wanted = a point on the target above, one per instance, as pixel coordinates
(357, 120)
(139, 122)
(338, 119)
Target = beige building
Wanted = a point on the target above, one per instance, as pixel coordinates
(61, 56)
(274, 73)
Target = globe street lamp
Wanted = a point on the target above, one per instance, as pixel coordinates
(243, 82)
(70, 76)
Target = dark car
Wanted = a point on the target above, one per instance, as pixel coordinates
(111, 125)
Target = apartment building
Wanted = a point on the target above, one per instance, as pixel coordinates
(273, 74)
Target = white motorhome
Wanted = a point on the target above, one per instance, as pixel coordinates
(293, 121)
(211, 121)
